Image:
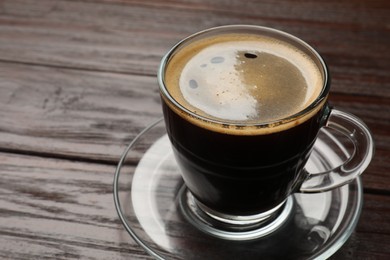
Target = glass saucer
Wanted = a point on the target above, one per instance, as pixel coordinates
(147, 188)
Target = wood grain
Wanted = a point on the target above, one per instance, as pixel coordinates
(71, 113)
(129, 37)
(59, 209)
(92, 116)
(78, 83)
(53, 208)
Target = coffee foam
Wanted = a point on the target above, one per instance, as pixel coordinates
(211, 78)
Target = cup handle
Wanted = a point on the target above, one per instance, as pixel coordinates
(361, 138)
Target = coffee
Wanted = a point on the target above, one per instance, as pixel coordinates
(243, 78)
(233, 107)
(241, 174)
(242, 107)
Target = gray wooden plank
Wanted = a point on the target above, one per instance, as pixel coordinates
(92, 116)
(58, 209)
(132, 36)
(70, 113)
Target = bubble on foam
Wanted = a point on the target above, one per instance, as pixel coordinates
(193, 84)
(217, 59)
(250, 55)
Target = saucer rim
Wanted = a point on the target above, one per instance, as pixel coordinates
(336, 243)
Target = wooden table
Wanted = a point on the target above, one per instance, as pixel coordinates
(78, 83)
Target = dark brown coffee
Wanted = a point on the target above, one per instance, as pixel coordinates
(240, 149)
(240, 174)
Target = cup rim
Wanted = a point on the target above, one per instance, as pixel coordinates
(227, 123)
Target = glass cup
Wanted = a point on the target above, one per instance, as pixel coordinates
(239, 174)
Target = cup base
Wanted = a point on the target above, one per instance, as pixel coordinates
(148, 188)
(231, 227)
